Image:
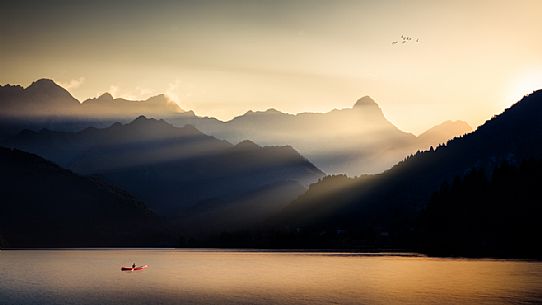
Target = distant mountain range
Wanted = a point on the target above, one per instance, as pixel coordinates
(176, 169)
(45, 99)
(107, 106)
(43, 205)
(474, 195)
(352, 141)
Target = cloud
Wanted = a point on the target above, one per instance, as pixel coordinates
(113, 89)
(138, 93)
(173, 90)
(178, 89)
(144, 91)
(72, 84)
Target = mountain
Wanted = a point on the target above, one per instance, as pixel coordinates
(44, 205)
(245, 212)
(382, 210)
(485, 215)
(94, 150)
(42, 98)
(442, 133)
(169, 168)
(353, 141)
(44, 104)
(357, 140)
(107, 106)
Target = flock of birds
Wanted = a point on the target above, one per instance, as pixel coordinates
(406, 39)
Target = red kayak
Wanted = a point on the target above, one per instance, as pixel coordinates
(133, 269)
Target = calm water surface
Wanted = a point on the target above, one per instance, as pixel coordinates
(237, 277)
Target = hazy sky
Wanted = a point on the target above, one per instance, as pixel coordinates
(222, 58)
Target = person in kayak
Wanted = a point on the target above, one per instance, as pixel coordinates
(133, 265)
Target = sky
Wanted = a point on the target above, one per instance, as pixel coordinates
(222, 58)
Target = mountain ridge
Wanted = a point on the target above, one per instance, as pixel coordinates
(45, 98)
(357, 140)
(388, 204)
(169, 168)
(45, 205)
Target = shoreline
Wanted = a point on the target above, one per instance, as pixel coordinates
(324, 252)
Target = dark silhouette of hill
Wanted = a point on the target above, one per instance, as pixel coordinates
(486, 213)
(93, 150)
(245, 212)
(170, 168)
(43, 205)
(382, 210)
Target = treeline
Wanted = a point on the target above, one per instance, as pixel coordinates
(485, 213)
(489, 212)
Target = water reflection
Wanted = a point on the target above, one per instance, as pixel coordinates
(238, 277)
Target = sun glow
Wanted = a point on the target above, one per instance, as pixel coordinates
(523, 85)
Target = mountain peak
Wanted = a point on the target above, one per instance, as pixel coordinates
(43, 83)
(458, 123)
(272, 111)
(106, 96)
(165, 101)
(145, 126)
(159, 96)
(144, 121)
(365, 101)
(153, 106)
(189, 113)
(443, 132)
(269, 111)
(48, 86)
(45, 91)
(247, 145)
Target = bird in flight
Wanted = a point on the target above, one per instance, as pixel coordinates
(405, 39)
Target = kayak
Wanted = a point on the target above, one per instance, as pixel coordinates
(133, 269)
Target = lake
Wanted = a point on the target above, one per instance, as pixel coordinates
(250, 277)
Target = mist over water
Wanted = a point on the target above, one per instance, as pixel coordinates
(238, 277)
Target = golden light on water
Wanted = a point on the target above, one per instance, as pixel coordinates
(233, 277)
